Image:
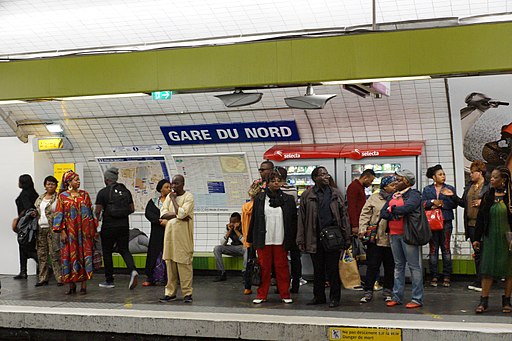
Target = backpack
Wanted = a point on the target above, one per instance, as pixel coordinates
(27, 229)
(119, 201)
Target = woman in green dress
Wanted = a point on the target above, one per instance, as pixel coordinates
(493, 222)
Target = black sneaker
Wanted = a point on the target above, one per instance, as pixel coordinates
(187, 299)
(167, 299)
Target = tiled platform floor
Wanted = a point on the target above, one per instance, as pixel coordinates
(455, 304)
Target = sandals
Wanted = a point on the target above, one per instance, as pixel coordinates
(505, 304)
(483, 305)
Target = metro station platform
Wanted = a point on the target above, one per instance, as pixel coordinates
(221, 312)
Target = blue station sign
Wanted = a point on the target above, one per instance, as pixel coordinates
(231, 133)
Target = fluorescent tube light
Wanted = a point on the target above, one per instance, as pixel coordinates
(80, 98)
(12, 102)
(54, 128)
(371, 80)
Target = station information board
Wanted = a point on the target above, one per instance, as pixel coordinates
(219, 182)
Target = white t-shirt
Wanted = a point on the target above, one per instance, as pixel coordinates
(274, 224)
(43, 221)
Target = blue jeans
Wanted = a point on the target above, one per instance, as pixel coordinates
(441, 240)
(404, 253)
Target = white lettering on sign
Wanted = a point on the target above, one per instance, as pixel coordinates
(292, 156)
(264, 132)
(192, 135)
(370, 153)
(224, 134)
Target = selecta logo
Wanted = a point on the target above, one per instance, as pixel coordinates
(292, 156)
(370, 153)
(287, 155)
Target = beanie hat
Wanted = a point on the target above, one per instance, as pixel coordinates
(386, 181)
(411, 178)
(111, 174)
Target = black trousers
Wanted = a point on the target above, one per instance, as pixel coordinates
(375, 256)
(296, 266)
(115, 236)
(325, 265)
(478, 253)
(26, 252)
(156, 246)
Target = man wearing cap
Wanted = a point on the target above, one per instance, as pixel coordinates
(114, 204)
(406, 200)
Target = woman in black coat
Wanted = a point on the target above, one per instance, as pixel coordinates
(25, 201)
(156, 238)
(272, 232)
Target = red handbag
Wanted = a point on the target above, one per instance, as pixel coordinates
(435, 219)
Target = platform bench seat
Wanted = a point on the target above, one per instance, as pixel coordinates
(201, 261)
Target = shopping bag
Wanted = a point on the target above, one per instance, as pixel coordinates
(435, 219)
(348, 271)
(97, 253)
(254, 271)
(160, 271)
(370, 237)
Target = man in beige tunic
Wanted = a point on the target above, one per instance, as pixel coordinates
(178, 209)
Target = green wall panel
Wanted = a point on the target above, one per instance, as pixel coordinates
(484, 48)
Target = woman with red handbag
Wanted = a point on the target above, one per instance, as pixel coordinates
(439, 205)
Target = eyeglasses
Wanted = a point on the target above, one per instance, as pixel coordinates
(264, 169)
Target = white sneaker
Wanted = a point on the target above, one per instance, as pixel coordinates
(287, 300)
(302, 281)
(258, 301)
(133, 280)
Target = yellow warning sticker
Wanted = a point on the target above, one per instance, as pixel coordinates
(365, 334)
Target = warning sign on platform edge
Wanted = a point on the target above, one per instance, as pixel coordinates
(365, 334)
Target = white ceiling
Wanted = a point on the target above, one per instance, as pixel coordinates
(29, 26)
(50, 25)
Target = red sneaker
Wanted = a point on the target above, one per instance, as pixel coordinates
(392, 303)
(413, 305)
(147, 284)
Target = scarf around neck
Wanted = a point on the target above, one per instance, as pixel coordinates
(276, 198)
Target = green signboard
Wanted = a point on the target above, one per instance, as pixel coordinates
(161, 95)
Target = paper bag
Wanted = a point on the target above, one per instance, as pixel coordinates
(349, 273)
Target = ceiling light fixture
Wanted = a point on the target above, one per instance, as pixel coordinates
(80, 98)
(54, 128)
(309, 101)
(12, 102)
(240, 98)
(372, 80)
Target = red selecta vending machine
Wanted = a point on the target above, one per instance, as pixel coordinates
(346, 161)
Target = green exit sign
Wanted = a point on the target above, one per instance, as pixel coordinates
(161, 95)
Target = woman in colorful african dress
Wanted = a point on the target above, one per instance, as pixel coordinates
(75, 222)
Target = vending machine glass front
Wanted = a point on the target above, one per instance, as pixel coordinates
(300, 177)
(381, 170)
